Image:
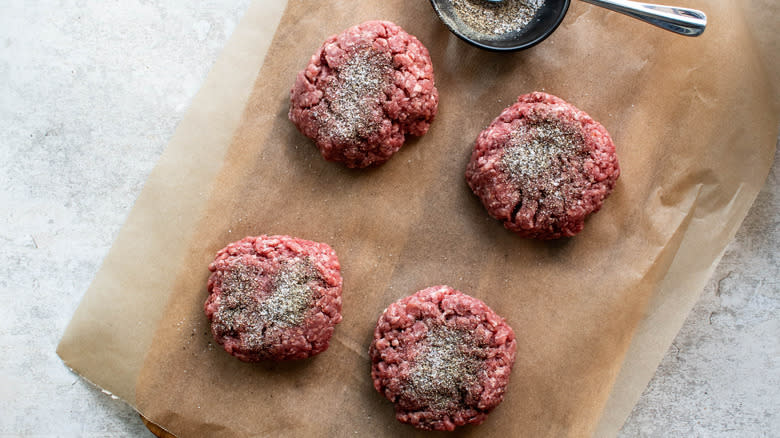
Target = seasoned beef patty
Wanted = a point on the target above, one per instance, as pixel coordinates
(442, 357)
(542, 167)
(363, 91)
(274, 297)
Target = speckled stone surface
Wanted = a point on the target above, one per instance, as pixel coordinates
(91, 92)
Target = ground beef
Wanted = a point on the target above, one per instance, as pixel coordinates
(363, 91)
(442, 357)
(274, 297)
(542, 167)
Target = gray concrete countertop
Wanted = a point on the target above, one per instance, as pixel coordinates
(91, 92)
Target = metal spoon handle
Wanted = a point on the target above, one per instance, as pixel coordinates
(684, 21)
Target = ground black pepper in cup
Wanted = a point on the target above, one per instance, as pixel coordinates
(503, 26)
(497, 20)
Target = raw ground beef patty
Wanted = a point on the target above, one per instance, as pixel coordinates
(274, 297)
(542, 167)
(443, 357)
(363, 91)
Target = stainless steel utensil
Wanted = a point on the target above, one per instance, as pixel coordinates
(684, 21)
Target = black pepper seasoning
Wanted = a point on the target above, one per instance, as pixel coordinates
(488, 19)
(355, 93)
(242, 309)
(445, 367)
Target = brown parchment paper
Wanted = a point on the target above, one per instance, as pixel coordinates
(695, 123)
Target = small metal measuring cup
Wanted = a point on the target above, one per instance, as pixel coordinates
(684, 21)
